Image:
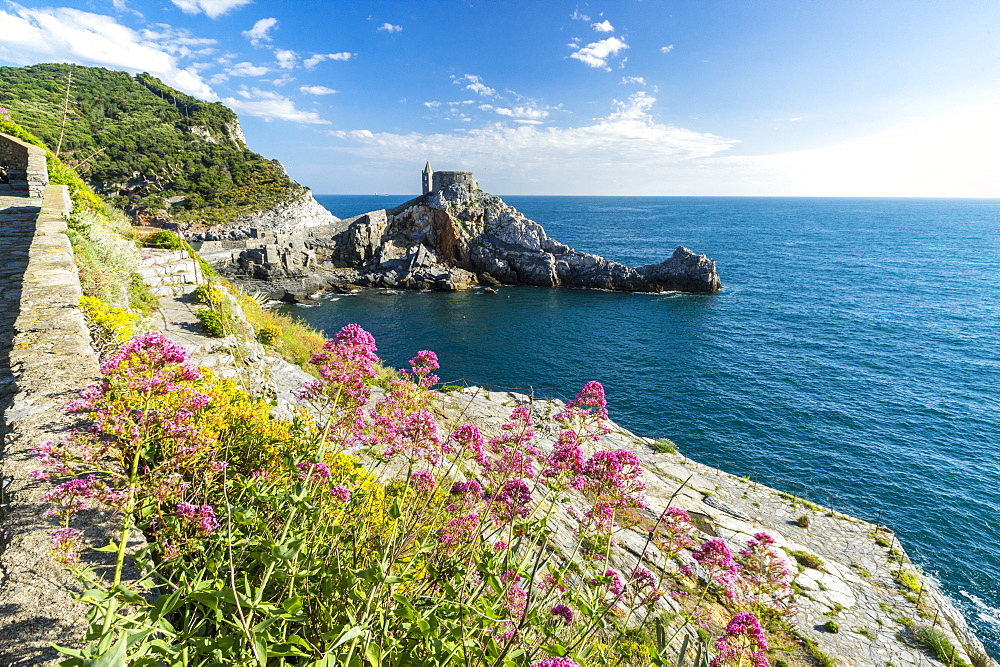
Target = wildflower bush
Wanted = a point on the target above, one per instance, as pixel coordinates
(110, 326)
(364, 532)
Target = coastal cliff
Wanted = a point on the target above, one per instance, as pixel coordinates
(451, 238)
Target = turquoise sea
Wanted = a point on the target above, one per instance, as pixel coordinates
(853, 356)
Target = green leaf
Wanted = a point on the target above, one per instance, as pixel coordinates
(353, 633)
(111, 546)
(292, 605)
(374, 654)
(114, 657)
(395, 511)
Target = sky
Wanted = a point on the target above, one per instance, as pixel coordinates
(893, 98)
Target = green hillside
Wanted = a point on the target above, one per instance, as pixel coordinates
(139, 141)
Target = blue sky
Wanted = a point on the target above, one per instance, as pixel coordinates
(651, 97)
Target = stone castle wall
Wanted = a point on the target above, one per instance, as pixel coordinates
(443, 179)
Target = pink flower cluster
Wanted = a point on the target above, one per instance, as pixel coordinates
(200, 517)
(742, 644)
(720, 567)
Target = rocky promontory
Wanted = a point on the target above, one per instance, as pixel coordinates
(451, 238)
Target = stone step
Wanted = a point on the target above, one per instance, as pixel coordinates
(153, 257)
(186, 267)
(173, 290)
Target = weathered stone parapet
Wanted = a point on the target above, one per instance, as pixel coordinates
(26, 166)
(45, 359)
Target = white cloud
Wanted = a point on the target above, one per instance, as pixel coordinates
(317, 90)
(794, 120)
(270, 106)
(212, 8)
(596, 54)
(317, 58)
(628, 139)
(388, 27)
(638, 80)
(260, 32)
(667, 49)
(475, 84)
(122, 6)
(286, 59)
(522, 112)
(247, 69)
(433, 104)
(603, 26)
(577, 16)
(61, 34)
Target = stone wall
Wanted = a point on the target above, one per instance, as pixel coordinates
(25, 166)
(443, 179)
(45, 359)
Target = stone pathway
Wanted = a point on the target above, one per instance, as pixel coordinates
(17, 229)
(238, 357)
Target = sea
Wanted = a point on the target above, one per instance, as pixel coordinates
(852, 357)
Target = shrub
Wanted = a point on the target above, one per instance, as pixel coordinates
(831, 626)
(106, 257)
(937, 643)
(269, 334)
(802, 521)
(213, 322)
(110, 326)
(140, 297)
(663, 446)
(208, 294)
(298, 342)
(908, 579)
(163, 239)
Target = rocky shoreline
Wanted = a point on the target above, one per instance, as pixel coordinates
(450, 239)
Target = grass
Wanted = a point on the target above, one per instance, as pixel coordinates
(298, 341)
(902, 620)
(663, 446)
(806, 559)
(822, 658)
(908, 579)
(831, 626)
(140, 297)
(936, 642)
(882, 540)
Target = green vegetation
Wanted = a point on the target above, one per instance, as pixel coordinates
(908, 579)
(663, 446)
(937, 644)
(212, 321)
(802, 521)
(806, 559)
(831, 626)
(816, 653)
(110, 326)
(163, 240)
(881, 539)
(118, 125)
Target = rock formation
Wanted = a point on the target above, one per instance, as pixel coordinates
(451, 238)
(300, 212)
